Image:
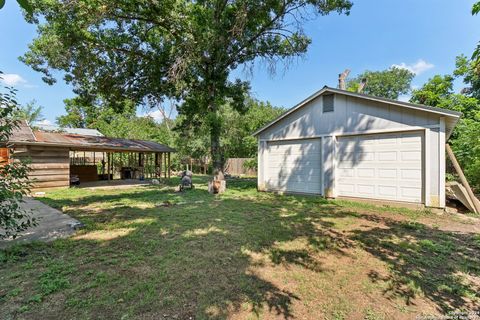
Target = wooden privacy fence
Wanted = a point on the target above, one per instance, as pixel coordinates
(235, 167)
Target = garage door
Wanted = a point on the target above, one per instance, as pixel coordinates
(294, 166)
(383, 166)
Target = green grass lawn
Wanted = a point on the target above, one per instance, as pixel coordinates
(151, 253)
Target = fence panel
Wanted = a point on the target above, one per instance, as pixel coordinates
(235, 167)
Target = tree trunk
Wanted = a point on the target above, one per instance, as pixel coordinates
(216, 150)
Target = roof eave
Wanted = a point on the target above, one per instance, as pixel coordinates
(291, 110)
(444, 112)
(86, 147)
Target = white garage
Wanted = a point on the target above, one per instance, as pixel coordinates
(338, 143)
(381, 166)
(294, 166)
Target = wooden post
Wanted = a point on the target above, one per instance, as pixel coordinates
(111, 164)
(169, 165)
(160, 164)
(165, 165)
(463, 179)
(108, 165)
(156, 164)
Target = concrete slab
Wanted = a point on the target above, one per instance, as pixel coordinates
(117, 184)
(52, 224)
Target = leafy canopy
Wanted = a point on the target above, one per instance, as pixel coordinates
(31, 112)
(465, 140)
(476, 53)
(390, 83)
(150, 50)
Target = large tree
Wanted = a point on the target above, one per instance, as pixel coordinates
(237, 140)
(390, 83)
(31, 112)
(80, 113)
(149, 50)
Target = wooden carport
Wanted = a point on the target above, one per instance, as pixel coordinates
(55, 156)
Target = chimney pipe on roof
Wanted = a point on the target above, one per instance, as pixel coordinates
(341, 79)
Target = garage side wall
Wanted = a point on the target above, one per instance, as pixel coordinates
(261, 166)
(50, 166)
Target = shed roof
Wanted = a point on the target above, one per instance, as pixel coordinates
(81, 142)
(51, 127)
(454, 115)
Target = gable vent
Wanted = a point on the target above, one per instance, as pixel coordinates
(328, 102)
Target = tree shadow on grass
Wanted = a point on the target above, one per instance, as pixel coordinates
(199, 259)
(425, 261)
(191, 260)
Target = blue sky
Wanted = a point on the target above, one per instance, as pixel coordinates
(423, 35)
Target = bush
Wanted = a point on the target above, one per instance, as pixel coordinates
(251, 164)
(14, 183)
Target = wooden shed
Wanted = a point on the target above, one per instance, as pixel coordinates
(55, 156)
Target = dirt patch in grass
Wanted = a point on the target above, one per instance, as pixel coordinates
(241, 255)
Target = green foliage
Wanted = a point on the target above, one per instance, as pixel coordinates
(476, 53)
(251, 164)
(23, 4)
(476, 8)
(466, 146)
(390, 83)
(469, 70)
(184, 50)
(14, 183)
(237, 128)
(30, 112)
(237, 139)
(465, 141)
(81, 113)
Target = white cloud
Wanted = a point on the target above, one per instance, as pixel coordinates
(417, 68)
(12, 79)
(45, 122)
(404, 98)
(156, 115)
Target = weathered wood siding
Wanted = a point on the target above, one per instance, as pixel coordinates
(235, 166)
(50, 165)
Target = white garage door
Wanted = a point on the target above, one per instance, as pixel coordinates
(382, 166)
(294, 166)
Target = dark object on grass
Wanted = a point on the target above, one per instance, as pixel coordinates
(165, 203)
(186, 180)
(74, 180)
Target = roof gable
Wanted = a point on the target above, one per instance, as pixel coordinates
(454, 115)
